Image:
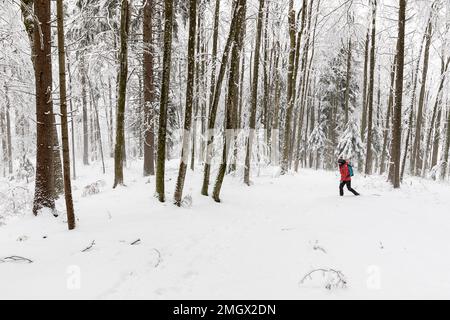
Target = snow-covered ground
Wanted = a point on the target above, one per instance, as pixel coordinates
(258, 243)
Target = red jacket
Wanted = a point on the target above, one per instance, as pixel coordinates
(345, 173)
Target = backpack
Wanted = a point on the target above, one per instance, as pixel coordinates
(350, 169)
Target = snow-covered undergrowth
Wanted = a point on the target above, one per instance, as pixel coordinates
(288, 237)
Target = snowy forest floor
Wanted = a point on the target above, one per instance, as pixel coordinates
(257, 244)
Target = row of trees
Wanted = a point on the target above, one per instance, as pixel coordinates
(308, 81)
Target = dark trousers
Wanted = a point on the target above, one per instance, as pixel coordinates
(349, 187)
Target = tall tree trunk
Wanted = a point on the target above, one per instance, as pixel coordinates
(417, 163)
(217, 93)
(388, 117)
(164, 100)
(254, 101)
(368, 168)
(437, 128)
(304, 87)
(123, 76)
(347, 79)
(44, 183)
(437, 105)
(214, 52)
(445, 157)
(291, 80)
(189, 101)
(233, 96)
(364, 89)
(64, 123)
(98, 132)
(3, 138)
(111, 125)
(83, 72)
(198, 81)
(149, 88)
(397, 125)
(266, 64)
(72, 124)
(290, 88)
(413, 100)
(8, 130)
(275, 138)
(57, 167)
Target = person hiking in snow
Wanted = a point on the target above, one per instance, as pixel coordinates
(346, 177)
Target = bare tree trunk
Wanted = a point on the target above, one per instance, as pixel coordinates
(164, 100)
(64, 124)
(72, 125)
(123, 76)
(44, 183)
(3, 138)
(254, 101)
(437, 128)
(111, 126)
(98, 133)
(233, 97)
(417, 163)
(85, 113)
(214, 51)
(304, 88)
(347, 79)
(217, 93)
(149, 88)
(368, 168)
(189, 101)
(388, 117)
(437, 105)
(276, 109)
(397, 125)
(446, 147)
(364, 89)
(290, 88)
(291, 80)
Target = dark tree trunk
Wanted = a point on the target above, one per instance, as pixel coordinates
(397, 125)
(437, 128)
(417, 161)
(44, 183)
(164, 100)
(189, 101)
(215, 104)
(446, 148)
(149, 88)
(254, 100)
(388, 117)
(437, 105)
(364, 89)
(64, 122)
(368, 168)
(233, 97)
(121, 101)
(85, 112)
(72, 125)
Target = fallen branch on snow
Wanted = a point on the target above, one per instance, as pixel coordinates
(159, 258)
(336, 279)
(135, 242)
(89, 247)
(15, 259)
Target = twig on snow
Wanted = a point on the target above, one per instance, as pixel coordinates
(135, 242)
(337, 281)
(15, 259)
(89, 247)
(318, 247)
(159, 258)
